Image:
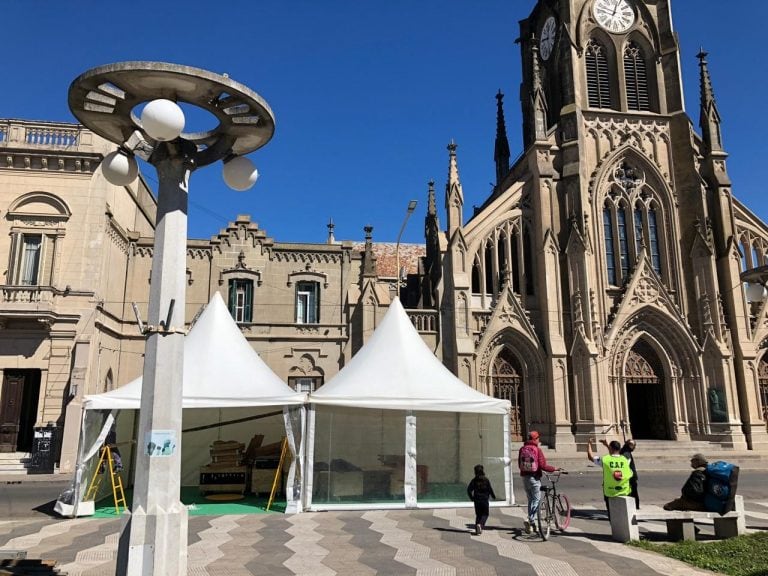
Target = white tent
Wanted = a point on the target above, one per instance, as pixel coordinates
(221, 370)
(363, 446)
(226, 387)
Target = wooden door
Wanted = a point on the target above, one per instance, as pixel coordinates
(10, 410)
(507, 384)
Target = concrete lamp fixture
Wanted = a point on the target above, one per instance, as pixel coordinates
(104, 99)
(163, 120)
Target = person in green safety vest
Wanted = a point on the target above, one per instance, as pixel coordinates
(616, 471)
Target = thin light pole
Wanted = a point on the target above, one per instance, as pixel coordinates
(409, 211)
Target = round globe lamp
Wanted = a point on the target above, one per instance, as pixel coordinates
(240, 173)
(163, 120)
(119, 168)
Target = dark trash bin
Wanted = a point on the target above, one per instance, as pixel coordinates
(43, 458)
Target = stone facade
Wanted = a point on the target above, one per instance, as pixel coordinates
(598, 287)
(80, 254)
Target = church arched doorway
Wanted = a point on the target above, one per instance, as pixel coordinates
(507, 383)
(646, 401)
(762, 378)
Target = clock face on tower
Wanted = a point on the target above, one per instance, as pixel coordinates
(547, 41)
(614, 15)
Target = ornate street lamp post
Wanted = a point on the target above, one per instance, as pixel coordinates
(106, 100)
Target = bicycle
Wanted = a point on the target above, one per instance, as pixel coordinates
(553, 508)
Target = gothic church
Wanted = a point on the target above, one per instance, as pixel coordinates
(600, 285)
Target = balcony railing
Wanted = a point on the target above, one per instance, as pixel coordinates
(27, 294)
(50, 135)
(423, 320)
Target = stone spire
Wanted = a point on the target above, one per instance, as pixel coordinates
(432, 259)
(431, 204)
(331, 226)
(709, 117)
(501, 149)
(454, 196)
(369, 267)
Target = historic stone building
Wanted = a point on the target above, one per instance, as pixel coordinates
(599, 284)
(80, 253)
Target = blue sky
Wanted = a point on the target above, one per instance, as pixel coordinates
(366, 94)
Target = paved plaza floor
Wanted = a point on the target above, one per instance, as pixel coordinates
(379, 542)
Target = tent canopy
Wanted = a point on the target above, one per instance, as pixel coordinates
(396, 370)
(221, 369)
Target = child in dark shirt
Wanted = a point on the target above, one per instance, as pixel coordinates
(480, 492)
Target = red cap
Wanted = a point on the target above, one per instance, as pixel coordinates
(533, 435)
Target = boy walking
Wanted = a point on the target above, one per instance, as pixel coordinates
(480, 492)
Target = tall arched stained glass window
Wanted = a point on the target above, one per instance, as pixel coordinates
(610, 257)
(621, 218)
(653, 241)
(638, 228)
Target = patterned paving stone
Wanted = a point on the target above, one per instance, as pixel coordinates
(365, 543)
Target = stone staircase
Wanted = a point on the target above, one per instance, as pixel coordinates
(663, 455)
(13, 463)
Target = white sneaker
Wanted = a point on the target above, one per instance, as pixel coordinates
(478, 529)
(528, 527)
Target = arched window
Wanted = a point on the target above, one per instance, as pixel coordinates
(476, 272)
(515, 264)
(633, 222)
(502, 260)
(653, 240)
(647, 234)
(636, 78)
(489, 283)
(610, 257)
(598, 77)
(527, 261)
(744, 252)
(621, 219)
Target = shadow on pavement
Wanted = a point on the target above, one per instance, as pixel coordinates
(589, 514)
(47, 509)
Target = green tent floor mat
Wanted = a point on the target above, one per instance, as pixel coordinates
(198, 505)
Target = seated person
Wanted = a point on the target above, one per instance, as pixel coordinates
(692, 497)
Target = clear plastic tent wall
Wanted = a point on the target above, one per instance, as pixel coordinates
(364, 458)
(395, 428)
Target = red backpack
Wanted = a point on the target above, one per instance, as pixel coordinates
(528, 459)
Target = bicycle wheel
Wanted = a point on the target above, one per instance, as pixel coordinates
(562, 512)
(544, 517)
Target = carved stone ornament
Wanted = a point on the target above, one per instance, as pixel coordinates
(646, 291)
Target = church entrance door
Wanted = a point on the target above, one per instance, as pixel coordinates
(646, 401)
(507, 383)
